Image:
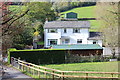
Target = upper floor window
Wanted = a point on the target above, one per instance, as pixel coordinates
(52, 30)
(76, 30)
(65, 30)
(79, 40)
(95, 42)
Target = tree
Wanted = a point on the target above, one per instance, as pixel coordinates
(19, 23)
(8, 25)
(108, 14)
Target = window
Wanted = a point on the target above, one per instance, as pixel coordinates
(79, 40)
(52, 30)
(67, 41)
(95, 42)
(76, 30)
(52, 41)
(65, 31)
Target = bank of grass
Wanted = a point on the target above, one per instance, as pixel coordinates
(86, 12)
(92, 66)
(83, 12)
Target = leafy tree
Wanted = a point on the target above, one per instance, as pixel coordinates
(19, 22)
(60, 6)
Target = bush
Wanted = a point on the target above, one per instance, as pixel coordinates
(40, 56)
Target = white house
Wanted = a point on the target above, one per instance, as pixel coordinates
(69, 32)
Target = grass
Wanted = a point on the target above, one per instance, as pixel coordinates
(83, 12)
(86, 12)
(41, 43)
(94, 66)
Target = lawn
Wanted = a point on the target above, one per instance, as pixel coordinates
(93, 66)
(86, 12)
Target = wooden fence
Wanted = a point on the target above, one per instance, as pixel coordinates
(43, 72)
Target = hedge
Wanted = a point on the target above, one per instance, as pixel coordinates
(39, 56)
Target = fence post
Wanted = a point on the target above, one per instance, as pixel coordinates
(45, 74)
(86, 76)
(53, 75)
(29, 69)
(38, 74)
(62, 75)
(13, 61)
(18, 63)
(33, 71)
(22, 66)
(112, 76)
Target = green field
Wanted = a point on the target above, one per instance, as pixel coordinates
(83, 12)
(87, 67)
(93, 66)
(86, 12)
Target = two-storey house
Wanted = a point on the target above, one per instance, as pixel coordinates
(69, 32)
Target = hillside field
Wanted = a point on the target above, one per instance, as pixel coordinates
(86, 12)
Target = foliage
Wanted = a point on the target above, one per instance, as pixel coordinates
(39, 11)
(25, 38)
(41, 56)
(109, 16)
(32, 22)
(61, 6)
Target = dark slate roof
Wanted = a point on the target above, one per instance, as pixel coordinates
(95, 35)
(78, 46)
(67, 24)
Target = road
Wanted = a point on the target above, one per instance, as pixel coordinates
(14, 74)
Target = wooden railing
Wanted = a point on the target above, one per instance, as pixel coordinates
(43, 72)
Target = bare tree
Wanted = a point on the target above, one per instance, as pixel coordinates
(108, 15)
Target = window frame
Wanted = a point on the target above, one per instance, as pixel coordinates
(79, 41)
(49, 31)
(67, 42)
(65, 30)
(74, 30)
(96, 41)
(56, 41)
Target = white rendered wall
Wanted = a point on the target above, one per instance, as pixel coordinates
(51, 36)
(84, 34)
(91, 42)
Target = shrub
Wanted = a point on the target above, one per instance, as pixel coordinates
(40, 56)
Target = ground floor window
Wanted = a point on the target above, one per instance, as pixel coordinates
(52, 41)
(79, 41)
(95, 42)
(67, 41)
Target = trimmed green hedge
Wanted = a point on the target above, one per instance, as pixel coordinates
(39, 56)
